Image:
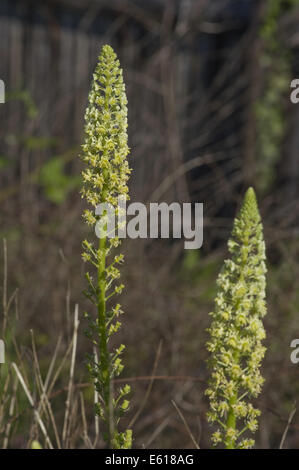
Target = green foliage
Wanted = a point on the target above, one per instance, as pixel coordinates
(37, 143)
(275, 63)
(191, 260)
(105, 178)
(236, 331)
(55, 182)
(24, 96)
(4, 162)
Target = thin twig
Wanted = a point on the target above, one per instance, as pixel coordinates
(31, 401)
(149, 389)
(157, 431)
(66, 424)
(84, 421)
(291, 416)
(10, 414)
(143, 378)
(186, 424)
(44, 396)
(181, 170)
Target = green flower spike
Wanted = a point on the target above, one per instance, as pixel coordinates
(237, 331)
(105, 178)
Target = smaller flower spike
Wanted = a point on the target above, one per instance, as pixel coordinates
(105, 178)
(237, 331)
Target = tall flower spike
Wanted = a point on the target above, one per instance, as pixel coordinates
(105, 178)
(237, 331)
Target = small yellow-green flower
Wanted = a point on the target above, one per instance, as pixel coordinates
(106, 142)
(236, 331)
(105, 177)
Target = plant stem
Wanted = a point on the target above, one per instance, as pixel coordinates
(105, 177)
(231, 422)
(103, 339)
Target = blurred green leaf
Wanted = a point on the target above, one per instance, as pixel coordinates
(25, 97)
(4, 162)
(55, 182)
(38, 143)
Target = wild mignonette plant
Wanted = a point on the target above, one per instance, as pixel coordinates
(237, 331)
(105, 179)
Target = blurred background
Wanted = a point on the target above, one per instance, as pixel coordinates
(208, 84)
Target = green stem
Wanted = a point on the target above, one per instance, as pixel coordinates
(103, 338)
(231, 422)
(231, 417)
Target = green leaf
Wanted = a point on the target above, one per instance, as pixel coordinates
(55, 182)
